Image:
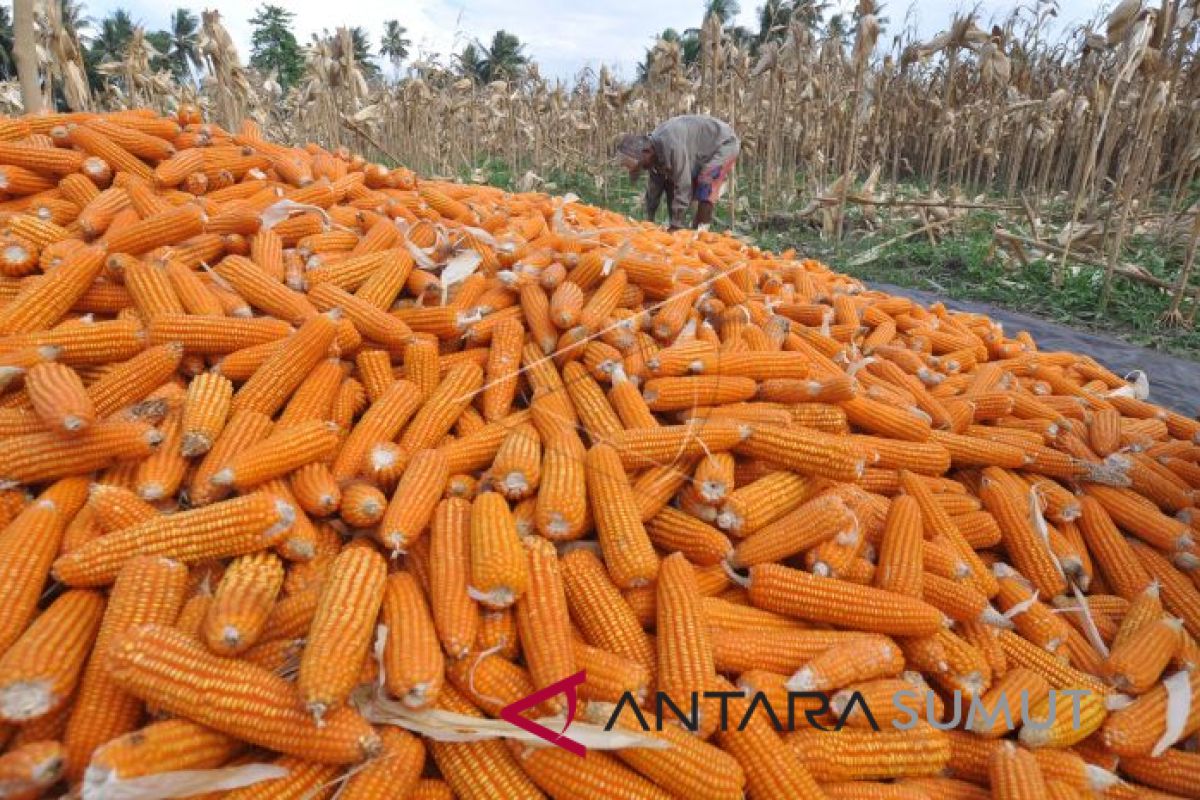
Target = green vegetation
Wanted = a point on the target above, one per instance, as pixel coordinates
(273, 46)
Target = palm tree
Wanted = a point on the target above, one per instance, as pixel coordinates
(74, 17)
(393, 45)
(115, 32)
(471, 62)
(161, 42)
(362, 52)
(183, 52)
(725, 10)
(504, 58)
(773, 17)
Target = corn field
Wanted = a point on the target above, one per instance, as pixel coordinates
(1082, 139)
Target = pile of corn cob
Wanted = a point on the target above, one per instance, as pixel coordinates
(299, 451)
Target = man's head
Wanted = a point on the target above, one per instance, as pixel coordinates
(635, 153)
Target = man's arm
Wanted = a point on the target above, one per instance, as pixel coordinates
(654, 193)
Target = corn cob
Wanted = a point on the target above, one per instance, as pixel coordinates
(628, 553)
(230, 528)
(412, 659)
(165, 667)
(148, 590)
(340, 635)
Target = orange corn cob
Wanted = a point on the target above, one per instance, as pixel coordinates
(274, 381)
(38, 457)
(455, 614)
(279, 454)
(1014, 774)
(543, 623)
(40, 670)
(340, 635)
(59, 398)
(787, 591)
(215, 335)
(394, 772)
(628, 553)
(602, 615)
(230, 528)
(148, 590)
(241, 603)
(166, 668)
(414, 500)
(205, 411)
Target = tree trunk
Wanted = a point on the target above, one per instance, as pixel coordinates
(25, 52)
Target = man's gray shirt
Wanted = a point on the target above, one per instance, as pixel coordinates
(683, 146)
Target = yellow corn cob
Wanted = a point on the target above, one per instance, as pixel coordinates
(59, 398)
(243, 525)
(602, 615)
(499, 572)
(241, 603)
(442, 408)
(1062, 721)
(629, 556)
(148, 590)
(205, 411)
(412, 659)
(40, 670)
(1140, 517)
(340, 635)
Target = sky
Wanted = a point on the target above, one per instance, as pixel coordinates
(563, 36)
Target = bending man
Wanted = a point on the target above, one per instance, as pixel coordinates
(687, 157)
